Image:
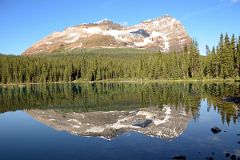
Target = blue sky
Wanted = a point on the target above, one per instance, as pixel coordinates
(24, 22)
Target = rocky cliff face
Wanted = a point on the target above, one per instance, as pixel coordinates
(164, 123)
(164, 33)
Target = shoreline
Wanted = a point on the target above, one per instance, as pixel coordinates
(134, 81)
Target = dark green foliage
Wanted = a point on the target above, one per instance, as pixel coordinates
(100, 64)
(107, 64)
(223, 62)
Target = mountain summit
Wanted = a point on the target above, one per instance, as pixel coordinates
(163, 33)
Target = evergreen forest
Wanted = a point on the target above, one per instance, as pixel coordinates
(63, 65)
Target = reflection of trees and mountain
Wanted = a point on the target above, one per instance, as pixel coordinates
(162, 110)
(166, 122)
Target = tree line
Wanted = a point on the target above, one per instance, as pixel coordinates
(222, 61)
(85, 97)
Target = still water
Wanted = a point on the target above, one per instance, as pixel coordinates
(120, 121)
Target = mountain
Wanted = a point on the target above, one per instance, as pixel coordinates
(166, 123)
(163, 33)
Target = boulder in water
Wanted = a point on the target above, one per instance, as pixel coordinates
(233, 157)
(179, 157)
(227, 154)
(216, 130)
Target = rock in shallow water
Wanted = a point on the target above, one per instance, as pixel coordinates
(216, 130)
(233, 157)
(227, 154)
(179, 157)
(209, 158)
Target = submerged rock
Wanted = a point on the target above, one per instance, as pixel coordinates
(142, 123)
(179, 157)
(216, 130)
(209, 158)
(233, 157)
(227, 154)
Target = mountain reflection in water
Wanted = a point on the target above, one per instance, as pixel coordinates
(143, 121)
(167, 122)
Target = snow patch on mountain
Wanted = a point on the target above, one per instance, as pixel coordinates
(49, 42)
(103, 20)
(92, 30)
(145, 42)
(74, 39)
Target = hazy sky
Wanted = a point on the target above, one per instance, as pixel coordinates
(24, 22)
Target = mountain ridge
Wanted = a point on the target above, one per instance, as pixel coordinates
(163, 33)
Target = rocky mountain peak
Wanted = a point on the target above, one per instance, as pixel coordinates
(163, 33)
(104, 21)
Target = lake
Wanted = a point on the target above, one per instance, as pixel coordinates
(120, 121)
